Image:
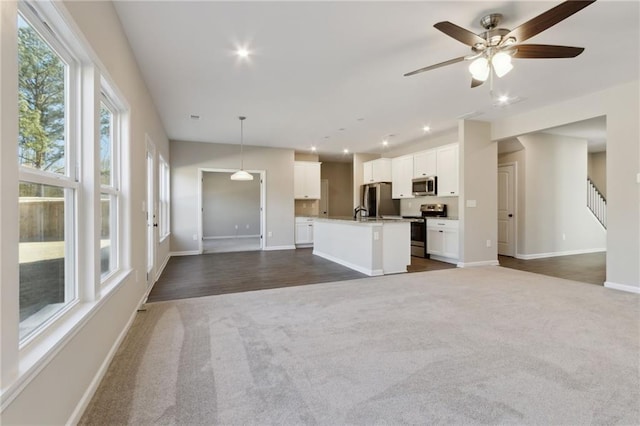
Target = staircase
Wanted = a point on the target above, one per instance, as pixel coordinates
(597, 203)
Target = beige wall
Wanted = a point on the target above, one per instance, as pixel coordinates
(340, 177)
(188, 157)
(56, 389)
(230, 208)
(478, 183)
(557, 218)
(620, 105)
(597, 170)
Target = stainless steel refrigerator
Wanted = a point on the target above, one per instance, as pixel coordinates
(376, 198)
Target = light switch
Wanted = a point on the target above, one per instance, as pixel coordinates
(471, 203)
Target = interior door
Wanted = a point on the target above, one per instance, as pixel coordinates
(506, 210)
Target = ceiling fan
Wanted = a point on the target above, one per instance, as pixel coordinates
(494, 48)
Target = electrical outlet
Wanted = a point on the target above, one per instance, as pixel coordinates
(488, 243)
(409, 205)
(247, 227)
(195, 237)
(236, 226)
(564, 237)
(269, 234)
(376, 235)
(304, 205)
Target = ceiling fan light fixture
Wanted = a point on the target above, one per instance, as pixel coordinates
(501, 63)
(241, 174)
(479, 69)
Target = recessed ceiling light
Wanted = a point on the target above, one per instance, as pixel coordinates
(242, 52)
(194, 117)
(385, 142)
(426, 128)
(313, 149)
(503, 99)
(346, 151)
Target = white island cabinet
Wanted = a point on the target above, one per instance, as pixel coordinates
(373, 247)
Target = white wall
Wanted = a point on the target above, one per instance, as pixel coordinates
(620, 105)
(188, 157)
(56, 387)
(557, 218)
(230, 208)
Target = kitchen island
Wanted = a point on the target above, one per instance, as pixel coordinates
(371, 246)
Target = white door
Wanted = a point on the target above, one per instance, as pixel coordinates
(152, 224)
(506, 210)
(324, 198)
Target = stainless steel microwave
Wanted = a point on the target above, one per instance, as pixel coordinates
(425, 185)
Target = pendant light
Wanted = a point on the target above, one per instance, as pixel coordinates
(241, 174)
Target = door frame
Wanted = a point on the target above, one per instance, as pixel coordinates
(151, 211)
(515, 204)
(263, 202)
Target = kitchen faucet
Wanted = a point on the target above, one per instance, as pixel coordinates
(360, 210)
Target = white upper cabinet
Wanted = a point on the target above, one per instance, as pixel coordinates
(306, 180)
(447, 170)
(401, 175)
(377, 171)
(424, 164)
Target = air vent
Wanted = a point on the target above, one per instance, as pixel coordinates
(469, 115)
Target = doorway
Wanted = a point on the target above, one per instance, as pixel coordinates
(507, 193)
(231, 212)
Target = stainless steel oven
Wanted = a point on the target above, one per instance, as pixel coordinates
(419, 227)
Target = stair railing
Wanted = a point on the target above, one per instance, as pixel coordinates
(597, 203)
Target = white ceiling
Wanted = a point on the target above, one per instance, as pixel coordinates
(330, 74)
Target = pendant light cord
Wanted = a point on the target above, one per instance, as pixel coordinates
(241, 141)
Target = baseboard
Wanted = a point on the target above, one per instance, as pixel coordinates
(270, 248)
(622, 287)
(480, 263)
(184, 253)
(229, 237)
(370, 272)
(443, 259)
(161, 268)
(558, 253)
(93, 386)
(305, 245)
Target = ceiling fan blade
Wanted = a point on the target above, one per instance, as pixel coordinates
(535, 51)
(475, 83)
(459, 33)
(431, 67)
(546, 20)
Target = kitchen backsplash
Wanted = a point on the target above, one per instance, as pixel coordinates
(307, 207)
(411, 206)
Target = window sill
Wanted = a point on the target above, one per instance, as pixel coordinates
(41, 349)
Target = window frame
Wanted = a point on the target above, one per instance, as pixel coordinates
(69, 180)
(164, 195)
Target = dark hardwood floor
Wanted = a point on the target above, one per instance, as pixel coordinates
(588, 268)
(221, 273)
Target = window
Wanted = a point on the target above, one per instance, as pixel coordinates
(109, 188)
(48, 181)
(164, 195)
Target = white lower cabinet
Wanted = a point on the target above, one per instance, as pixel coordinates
(304, 230)
(442, 239)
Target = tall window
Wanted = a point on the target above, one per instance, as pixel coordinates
(109, 187)
(164, 195)
(47, 188)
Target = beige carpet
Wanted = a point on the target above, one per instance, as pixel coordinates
(464, 346)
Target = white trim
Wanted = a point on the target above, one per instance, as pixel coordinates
(443, 259)
(228, 237)
(558, 253)
(370, 272)
(622, 287)
(35, 359)
(476, 264)
(271, 248)
(184, 253)
(93, 386)
(162, 266)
